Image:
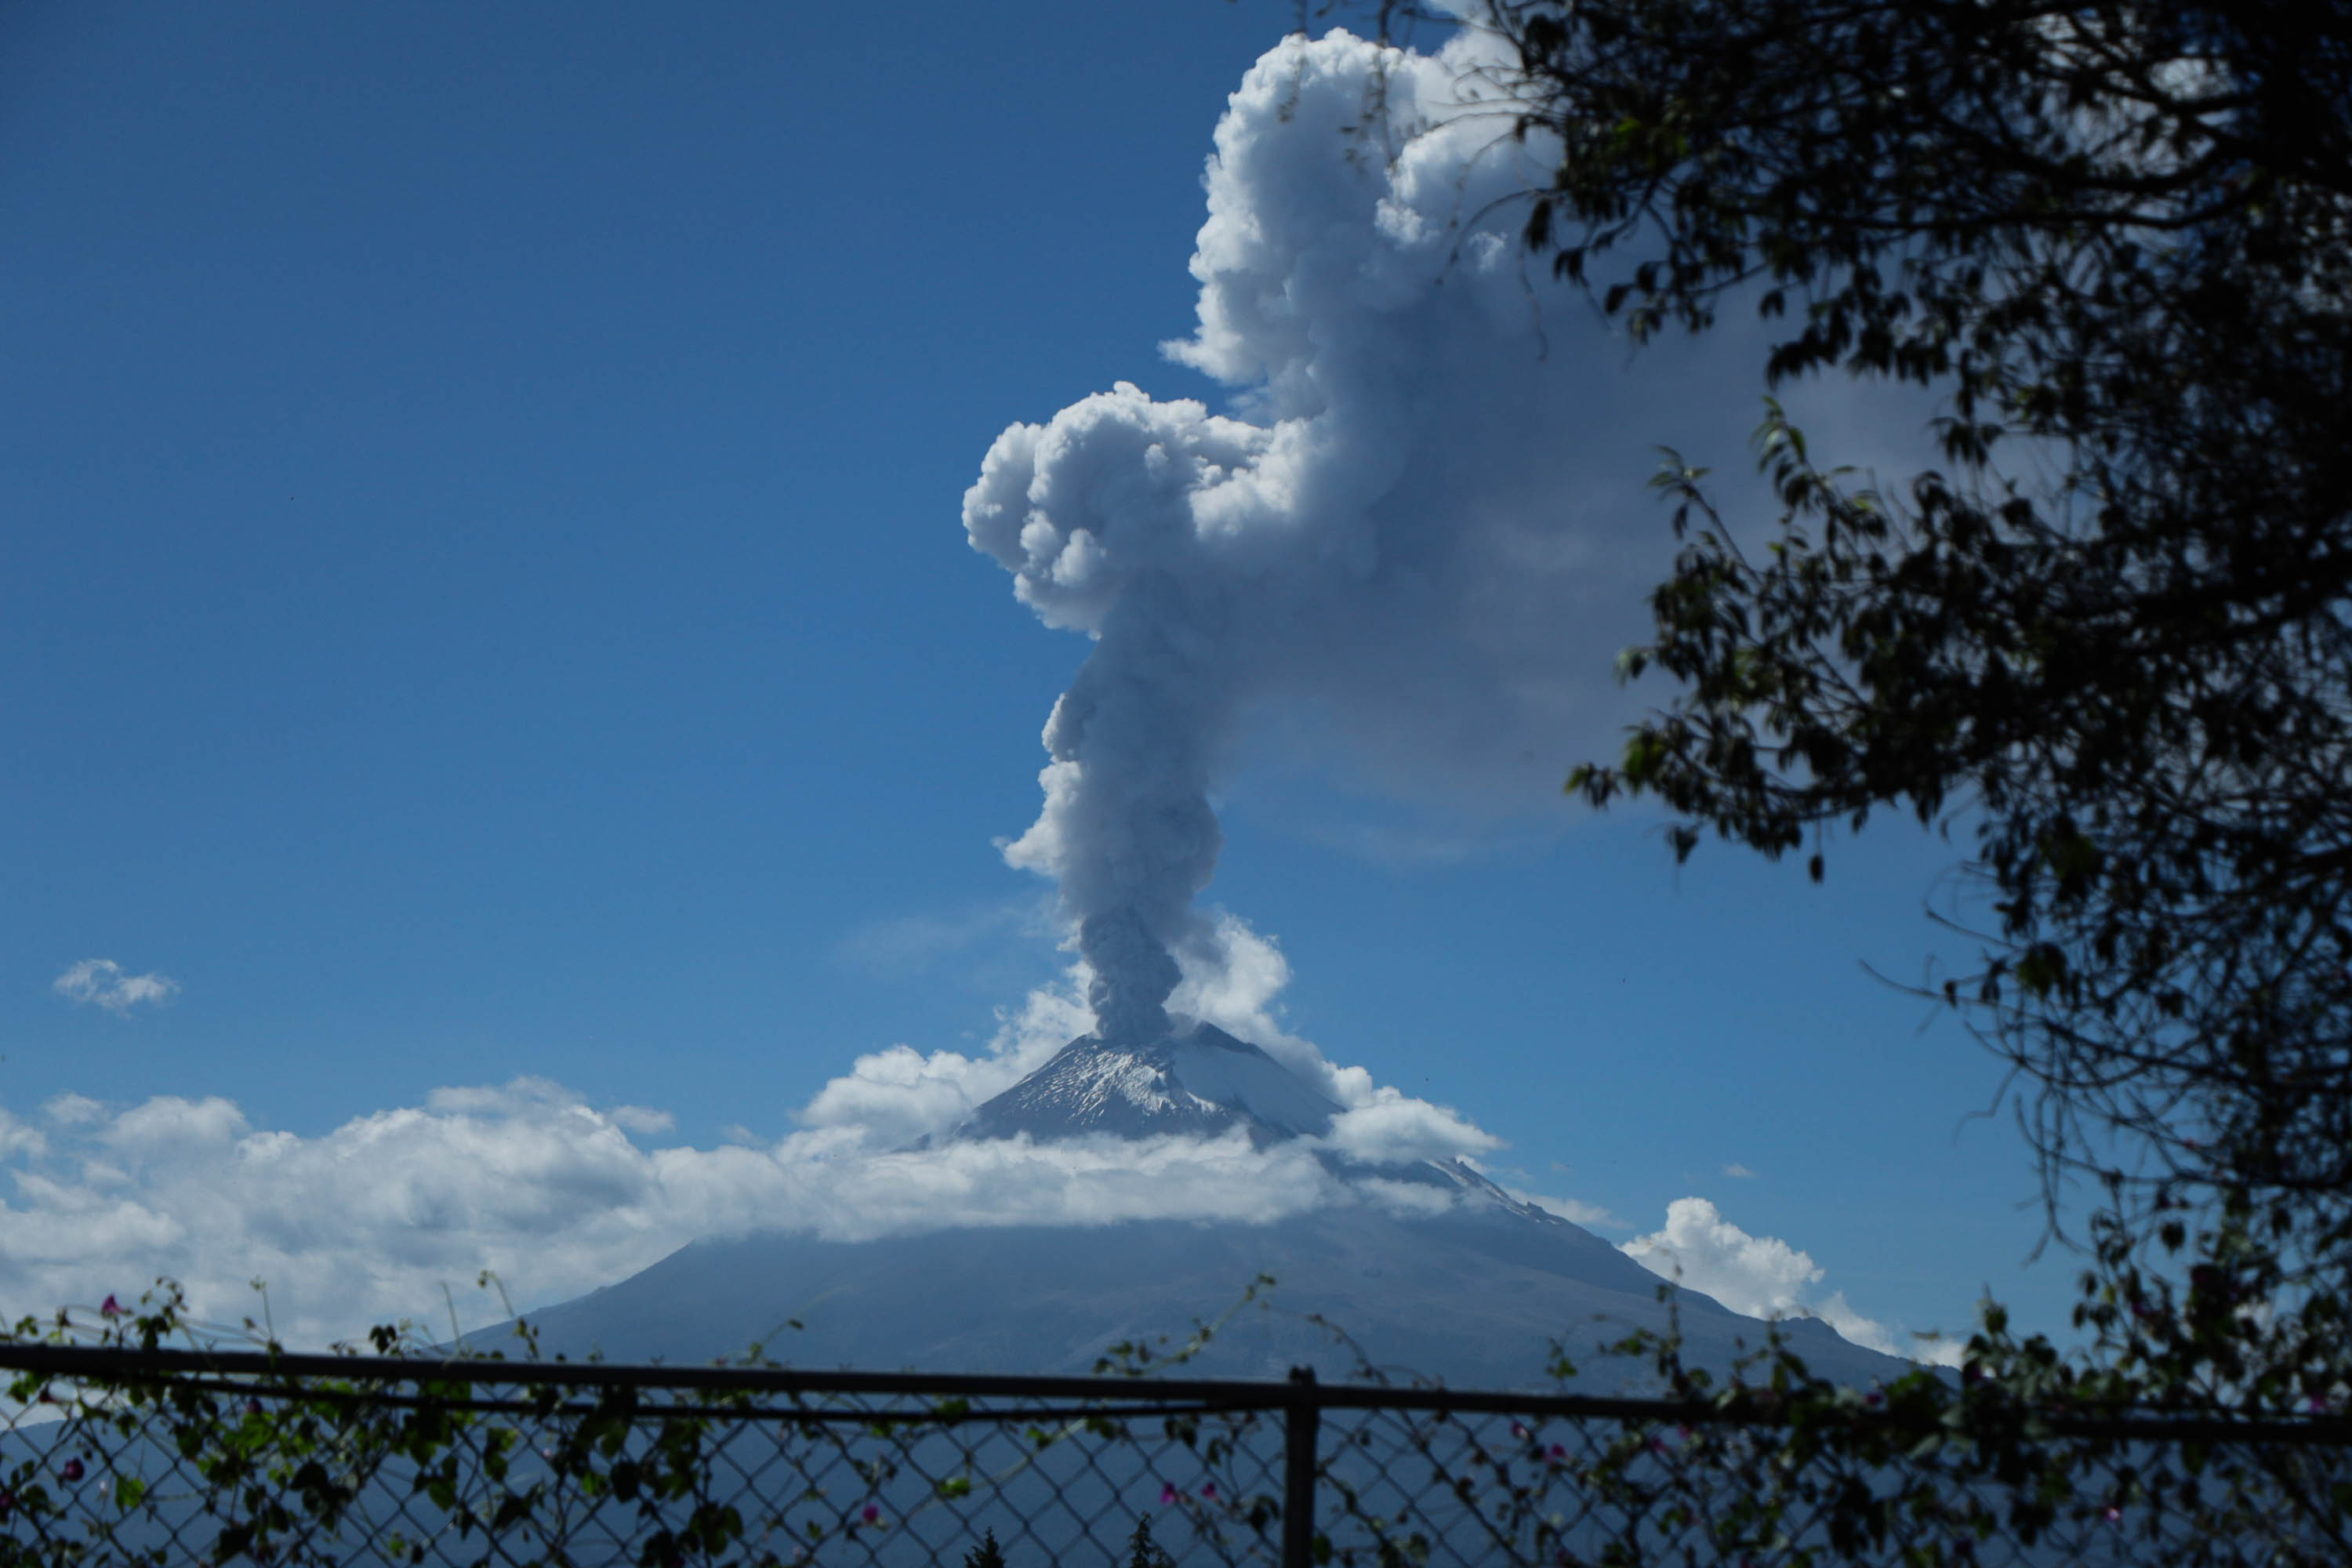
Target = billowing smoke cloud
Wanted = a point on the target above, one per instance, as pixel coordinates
(1418, 540)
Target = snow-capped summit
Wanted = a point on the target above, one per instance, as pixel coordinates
(1200, 1081)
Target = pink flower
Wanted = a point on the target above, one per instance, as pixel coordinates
(1556, 1454)
(1873, 1398)
(70, 1471)
(110, 1308)
(871, 1513)
(1518, 1431)
(1209, 1492)
(1167, 1493)
(2111, 1514)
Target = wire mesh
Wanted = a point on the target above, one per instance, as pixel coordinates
(110, 1456)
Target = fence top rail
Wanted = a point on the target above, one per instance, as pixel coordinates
(1108, 1395)
(106, 1360)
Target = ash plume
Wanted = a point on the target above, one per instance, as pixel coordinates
(1409, 540)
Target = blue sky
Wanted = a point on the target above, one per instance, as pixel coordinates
(486, 600)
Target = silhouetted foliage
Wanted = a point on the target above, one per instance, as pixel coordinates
(133, 1436)
(1142, 1552)
(2109, 636)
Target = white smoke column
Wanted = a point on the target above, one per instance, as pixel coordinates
(1392, 548)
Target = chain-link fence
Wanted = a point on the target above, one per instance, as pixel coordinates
(130, 1455)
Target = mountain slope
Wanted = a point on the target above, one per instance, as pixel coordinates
(1475, 1294)
(1476, 1298)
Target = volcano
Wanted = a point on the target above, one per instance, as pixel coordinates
(1466, 1284)
(1202, 1081)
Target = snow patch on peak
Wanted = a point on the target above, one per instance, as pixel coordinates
(1202, 1082)
(1217, 1069)
(1099, 1080)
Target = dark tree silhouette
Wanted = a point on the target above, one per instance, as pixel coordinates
(2111, 636)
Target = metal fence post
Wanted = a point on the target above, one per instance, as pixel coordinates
(1300, 1430)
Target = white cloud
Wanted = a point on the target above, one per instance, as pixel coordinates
(894, 1097)
(370, 1221)
(1231, 978)
(1764, 1276)
(102, 981)
(1739, 1172)
(1231, 975)
(17, 1138)
(1391, 1128)
(900, 1095)
(72, 1110)
(168, 1123)
(1759, 1276)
